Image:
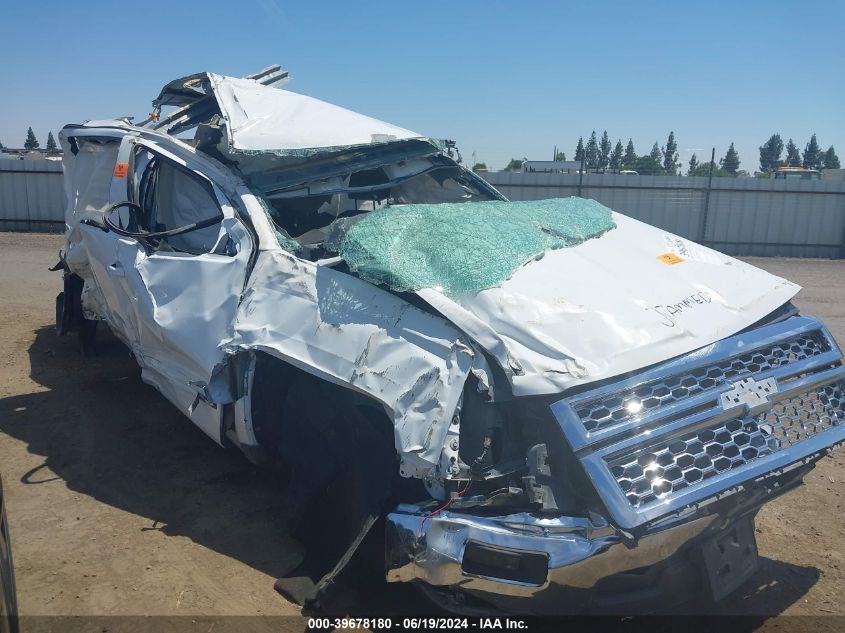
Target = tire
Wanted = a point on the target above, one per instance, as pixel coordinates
(62, 315)
(88, 336)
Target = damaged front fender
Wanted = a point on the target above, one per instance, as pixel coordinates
(353, 334)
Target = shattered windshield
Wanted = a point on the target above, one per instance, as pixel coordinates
(456, 248)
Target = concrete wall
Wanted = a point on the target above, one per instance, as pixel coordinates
(743, 216)
(31, 195)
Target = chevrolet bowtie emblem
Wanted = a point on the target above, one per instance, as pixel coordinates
(752, 394)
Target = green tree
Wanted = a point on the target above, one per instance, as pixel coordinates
(604, 151)
(579, 149)
(770, 152)
(560, 156)
(630, 156)
(616, 156)
(648, 166)
(51, 142)
(31, 142)
(693, 165)
(793, 154)
(670, 154)
(1, 144)
(812, 154)
(479, 167)
(591, 152)
(655, 153)
(514, 165)
(831, 160)
(703, 169)
(730, 163)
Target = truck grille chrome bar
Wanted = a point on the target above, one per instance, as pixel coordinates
(708, 421)
(648, 474)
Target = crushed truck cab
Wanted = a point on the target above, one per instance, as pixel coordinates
(554, 407)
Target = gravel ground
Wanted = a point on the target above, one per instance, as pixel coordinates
(119, 506)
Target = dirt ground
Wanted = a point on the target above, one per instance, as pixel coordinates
(118, 505)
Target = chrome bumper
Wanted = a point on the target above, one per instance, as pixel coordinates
(588, 566)
(579, 553)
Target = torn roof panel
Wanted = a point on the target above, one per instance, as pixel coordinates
(263, 118)
(260, 118)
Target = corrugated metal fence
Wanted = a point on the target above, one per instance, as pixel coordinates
(738, 216)
(31, 195)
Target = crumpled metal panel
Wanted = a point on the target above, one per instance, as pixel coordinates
(360, 336)
(260, 118)
(610, 306)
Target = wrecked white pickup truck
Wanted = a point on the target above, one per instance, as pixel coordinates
(545, 406)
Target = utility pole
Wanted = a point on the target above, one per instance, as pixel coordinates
(581, 176)
(707, 197)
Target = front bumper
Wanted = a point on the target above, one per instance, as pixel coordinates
(587, 565)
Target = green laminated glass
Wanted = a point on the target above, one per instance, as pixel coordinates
(465, 247)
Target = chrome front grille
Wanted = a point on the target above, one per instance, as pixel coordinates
(617, 408)
(700, 424)
(650, 473)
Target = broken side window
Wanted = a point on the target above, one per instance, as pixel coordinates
(172, 197)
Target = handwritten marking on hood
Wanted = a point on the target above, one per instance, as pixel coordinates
(670, 312)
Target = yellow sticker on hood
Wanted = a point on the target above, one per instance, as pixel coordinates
(670, 258)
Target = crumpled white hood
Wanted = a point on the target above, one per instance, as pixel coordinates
(612, 305)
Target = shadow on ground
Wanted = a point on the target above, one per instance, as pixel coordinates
(108, 435)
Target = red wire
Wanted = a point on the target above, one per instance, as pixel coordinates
(443, 507)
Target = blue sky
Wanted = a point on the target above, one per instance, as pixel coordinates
(502, 78)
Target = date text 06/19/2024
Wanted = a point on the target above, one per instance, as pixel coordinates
(429, 624)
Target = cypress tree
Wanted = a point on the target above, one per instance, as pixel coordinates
(51, 142)
(730, 163)
(793, 154)
(770, 152)
(831, 160)
(812, 154)
(693, 165)
(655, 152)
(591, 152)
(31, 142)
(670, 154)
(579, 149)
(630, 156)
(604, 150)
(616, 156)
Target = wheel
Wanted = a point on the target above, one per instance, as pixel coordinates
(339, 448)
(62, 315)
(87, 336)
